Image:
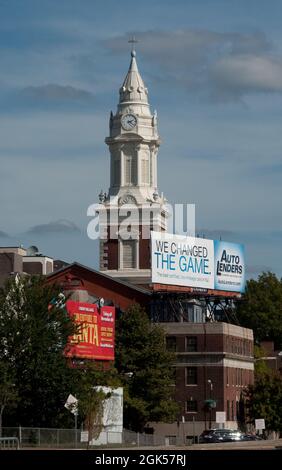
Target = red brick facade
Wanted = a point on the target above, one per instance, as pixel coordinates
(214, 361)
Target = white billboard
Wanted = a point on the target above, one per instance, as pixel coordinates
(197, 262)
(182, 261)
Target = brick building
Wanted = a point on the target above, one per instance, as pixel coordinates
(17, 260)
(214, 363)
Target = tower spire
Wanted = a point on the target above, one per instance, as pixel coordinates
(133, 90)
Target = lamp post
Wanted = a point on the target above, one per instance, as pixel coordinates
(211, 389)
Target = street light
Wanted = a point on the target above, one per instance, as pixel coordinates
(211, 389)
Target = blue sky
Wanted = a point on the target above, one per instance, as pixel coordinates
(214, 73)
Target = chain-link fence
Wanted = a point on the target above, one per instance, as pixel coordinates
(71, 438)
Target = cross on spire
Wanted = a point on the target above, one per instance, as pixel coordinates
(132, 41)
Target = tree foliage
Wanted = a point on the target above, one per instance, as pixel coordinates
(8, 392)
(146, 369)
(264, 399)
(261, 308)
(91, 397)
(33, 337)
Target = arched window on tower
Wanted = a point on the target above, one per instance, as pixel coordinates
(130, 170)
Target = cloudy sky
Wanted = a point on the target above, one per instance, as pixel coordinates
(214, 73)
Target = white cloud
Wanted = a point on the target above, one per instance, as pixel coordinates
(241, 74)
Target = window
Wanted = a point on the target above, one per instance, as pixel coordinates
(232, 410)
(228, 410)
(191, 406)
(191, 376)
(191, 343)
(130, 170)
(129, 254)
(171, 343)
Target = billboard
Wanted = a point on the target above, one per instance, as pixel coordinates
(197, 262)
(96, 332)
(229, 259)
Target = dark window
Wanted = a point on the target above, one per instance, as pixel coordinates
(171, 343)
(191, 406)
(228, 410)
(191, 343)
(191, 376)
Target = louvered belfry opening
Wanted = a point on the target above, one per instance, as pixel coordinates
(129, 254)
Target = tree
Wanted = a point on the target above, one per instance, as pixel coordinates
(91, 397)
(146, 370)
(264, 400)
(34, 331)
(8, 393)
(261, 308)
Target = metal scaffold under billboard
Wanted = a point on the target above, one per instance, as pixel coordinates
(195, 308)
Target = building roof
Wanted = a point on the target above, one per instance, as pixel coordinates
(77, 278)
(101, 275)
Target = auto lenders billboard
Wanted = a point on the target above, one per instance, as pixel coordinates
(197, 262)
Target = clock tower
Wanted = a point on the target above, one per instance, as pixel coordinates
(133, 205)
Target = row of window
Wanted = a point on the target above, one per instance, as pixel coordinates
(234, 376)
(191, 343)
(238, 377)
(239, 346)
(232, 408)
(234, 345)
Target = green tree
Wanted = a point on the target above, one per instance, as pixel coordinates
(91, 376)
(261, 308)
(34, 331)
(264, 399)
(8, 392)
(145, 367)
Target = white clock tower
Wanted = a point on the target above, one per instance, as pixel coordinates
(133, 205)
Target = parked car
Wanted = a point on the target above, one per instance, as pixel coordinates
(221, 435)
(251, 437)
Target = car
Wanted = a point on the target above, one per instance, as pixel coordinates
(221, 435)
(251, 437)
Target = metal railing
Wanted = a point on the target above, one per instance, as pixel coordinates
(9, 443)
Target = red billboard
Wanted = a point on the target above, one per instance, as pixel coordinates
(96, 331)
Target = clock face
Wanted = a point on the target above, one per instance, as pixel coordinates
(128, 121)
